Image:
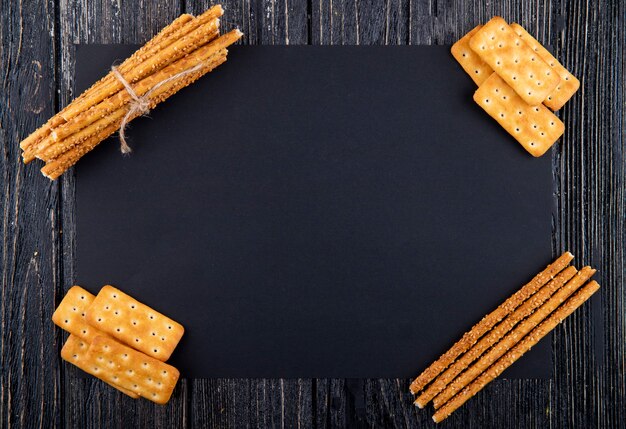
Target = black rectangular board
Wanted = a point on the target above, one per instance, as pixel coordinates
(315, 212)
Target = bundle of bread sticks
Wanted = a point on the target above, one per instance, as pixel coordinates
(503, 336)
(121, 341)
(517, 78)
(181, 53)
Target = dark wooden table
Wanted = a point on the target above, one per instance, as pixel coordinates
(38, 225)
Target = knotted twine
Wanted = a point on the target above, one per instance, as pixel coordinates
(140, 105)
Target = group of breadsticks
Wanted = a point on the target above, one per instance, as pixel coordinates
(181, 53)
(503, 336)
(121, 341)
(517, 78)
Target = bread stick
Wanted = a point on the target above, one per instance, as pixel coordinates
(516, 352)
(494, 335)
(512, 338)
(478, 330)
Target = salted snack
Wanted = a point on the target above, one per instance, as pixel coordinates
(514, 61)
(518, 351)
(95, 352)
(503, 336)
(71, 312)
(510, 340)
(180, 54)
(493, 336)
(75, 350)
(535, 127)
(568, 85)
(490, 320)
(134, 323)
(123, 366)
(473, 65)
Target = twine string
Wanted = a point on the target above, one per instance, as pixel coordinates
(140, 105)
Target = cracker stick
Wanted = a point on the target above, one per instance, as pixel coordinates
(79, 117)
(518, 351)
(478, 330)
(74, 351)
(114, 362)
(73, 148)
(514, 61)
(513, 337)
(180, 27)
(174, 52)
(568, 85)
(473, 65)
(141, 87)
(131, 62)
(70, 314)
(134, 323)
(535, 127)
(494, 335)
(100, 116)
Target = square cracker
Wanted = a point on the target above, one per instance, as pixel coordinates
(568, 85)
(473, 65)
(75, 350)
(70, 314)
(535, 127)
(517, 64)
(114, 362)
(134, 323)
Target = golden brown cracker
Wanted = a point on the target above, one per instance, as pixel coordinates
(70, 314)
(517, 351)
(568, 85)
(514, 61)
(114, 362)
(75, 350)
(534, 127)
(489, 321)
(473, 65)
(134, 323)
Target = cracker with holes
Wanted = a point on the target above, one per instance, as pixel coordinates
(75, 350)
(517, 64)
(568, 85)
(116, 363)
(70, 314)
(535, 127)
(134, 323)
(473, 65)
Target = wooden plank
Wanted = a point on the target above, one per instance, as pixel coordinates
(89, 402)
(590, 173)
(30, 381)
(266, 22)
(253, 403)
(360, 23)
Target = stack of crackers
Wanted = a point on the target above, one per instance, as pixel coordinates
(120, 341)
(503, 336)
(518, 80)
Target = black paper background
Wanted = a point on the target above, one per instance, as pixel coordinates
(315, 212)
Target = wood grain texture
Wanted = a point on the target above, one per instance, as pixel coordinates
(30, 380)
(38, 224)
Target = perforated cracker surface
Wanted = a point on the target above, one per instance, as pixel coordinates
(71, 312)
(75, 350)
(514, 61)
(535, 127)
(116, 363)
(473, 65)
(134, 323)
(568, 85)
